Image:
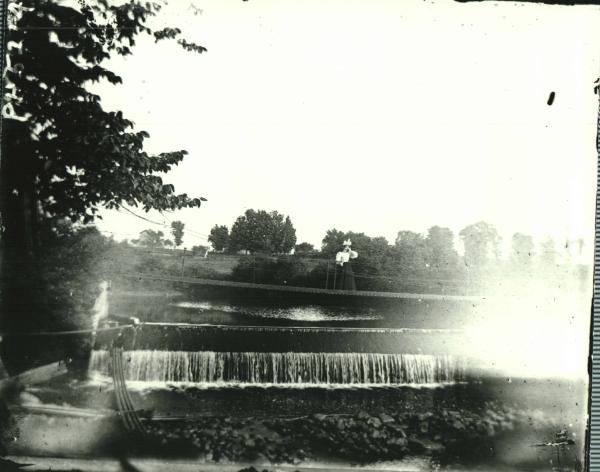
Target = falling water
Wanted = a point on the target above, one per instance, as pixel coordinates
(284, 368)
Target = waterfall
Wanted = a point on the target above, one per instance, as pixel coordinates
(284, 368)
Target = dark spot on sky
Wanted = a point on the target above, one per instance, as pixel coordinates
(551, 98)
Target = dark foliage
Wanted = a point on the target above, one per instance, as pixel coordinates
(62, 292)
(81, 156)
(177, 232)
(267, 270)
(64, 156)
(152, 239)
(305, 250)
(262, 232)
(219, 237)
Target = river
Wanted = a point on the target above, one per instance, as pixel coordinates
(445, 385)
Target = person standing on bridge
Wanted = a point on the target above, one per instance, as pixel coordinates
(343, 267)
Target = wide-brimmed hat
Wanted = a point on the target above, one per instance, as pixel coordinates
(347, 242)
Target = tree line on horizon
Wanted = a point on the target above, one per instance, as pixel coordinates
(269, 253)
(261, 232)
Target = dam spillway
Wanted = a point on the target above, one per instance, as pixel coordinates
(223, 338)
(317, 368)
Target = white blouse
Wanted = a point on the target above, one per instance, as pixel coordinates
(342, 257)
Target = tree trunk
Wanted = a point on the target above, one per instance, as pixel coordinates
(18, 211)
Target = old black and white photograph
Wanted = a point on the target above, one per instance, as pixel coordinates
(260, 236)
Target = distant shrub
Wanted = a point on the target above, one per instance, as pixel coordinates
(318, 277)
(266, 270)
(150, 263)
(203, 273)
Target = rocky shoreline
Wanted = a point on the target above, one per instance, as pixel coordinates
(445, 436)
(453, 427)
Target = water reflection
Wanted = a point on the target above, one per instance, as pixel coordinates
(292, 313)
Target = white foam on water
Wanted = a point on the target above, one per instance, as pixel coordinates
(301, 313)
(98, 380)
(204, 306)
(140, 386)
(313, 313)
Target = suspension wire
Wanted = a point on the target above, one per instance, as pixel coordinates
(235, 327)
(164, 225)
(357, 275)
(69, 332)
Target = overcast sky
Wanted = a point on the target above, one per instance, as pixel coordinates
(373, 116)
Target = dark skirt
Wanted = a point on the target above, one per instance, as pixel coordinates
(345, 277)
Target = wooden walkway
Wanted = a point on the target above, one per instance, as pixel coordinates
(305, 290)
